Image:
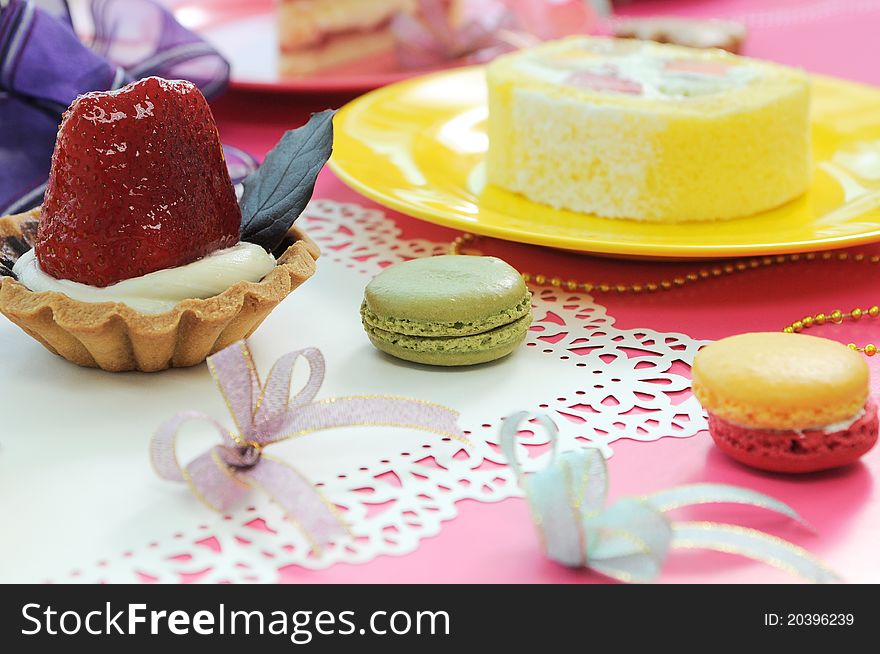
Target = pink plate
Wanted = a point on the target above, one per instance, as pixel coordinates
(245, 34)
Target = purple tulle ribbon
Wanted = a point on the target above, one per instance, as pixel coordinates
(44, 66)
(265, 414)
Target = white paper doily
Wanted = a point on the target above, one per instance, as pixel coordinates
(85, 506)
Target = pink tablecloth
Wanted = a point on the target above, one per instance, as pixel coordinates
(495, 542)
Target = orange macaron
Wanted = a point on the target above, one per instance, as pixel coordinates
(786, 402)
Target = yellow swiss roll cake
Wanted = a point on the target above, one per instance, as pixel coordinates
(635, 129)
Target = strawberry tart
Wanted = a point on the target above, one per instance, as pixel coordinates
(140, 257)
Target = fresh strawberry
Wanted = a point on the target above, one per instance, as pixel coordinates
(138, 184)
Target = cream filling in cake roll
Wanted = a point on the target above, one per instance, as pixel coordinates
(639, 130)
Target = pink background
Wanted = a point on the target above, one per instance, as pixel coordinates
(496, 542)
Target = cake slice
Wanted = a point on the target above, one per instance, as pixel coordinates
(315, 35)
(640, 130)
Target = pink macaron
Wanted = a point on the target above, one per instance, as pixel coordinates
(786, 402)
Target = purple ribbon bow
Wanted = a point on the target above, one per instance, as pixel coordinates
(265, 414)
(44, 66)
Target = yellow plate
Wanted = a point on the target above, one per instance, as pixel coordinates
(418, 147)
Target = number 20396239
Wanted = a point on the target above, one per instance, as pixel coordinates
(809, 619)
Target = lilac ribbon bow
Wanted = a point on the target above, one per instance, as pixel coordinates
(44, 66)
(265, 414)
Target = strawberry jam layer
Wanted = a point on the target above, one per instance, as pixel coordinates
(792, 450)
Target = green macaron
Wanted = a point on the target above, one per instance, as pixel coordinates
(448, 310)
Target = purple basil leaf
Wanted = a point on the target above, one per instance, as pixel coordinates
(279, 190)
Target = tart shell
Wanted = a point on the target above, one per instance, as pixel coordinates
(117, 338)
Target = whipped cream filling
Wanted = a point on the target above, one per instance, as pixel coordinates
(826, 429)
(159, 291)
(838, 426)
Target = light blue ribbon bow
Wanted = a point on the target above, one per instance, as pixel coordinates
(629, 539)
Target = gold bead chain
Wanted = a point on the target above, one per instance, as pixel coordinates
(836, 317)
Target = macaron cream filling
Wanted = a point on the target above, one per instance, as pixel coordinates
(828, 428)
(498, 337)
(440, 329)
